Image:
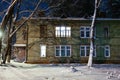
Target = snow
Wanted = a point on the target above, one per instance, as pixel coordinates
(19, 45)
(22, 71)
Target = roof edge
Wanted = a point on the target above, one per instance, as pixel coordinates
(71, 18)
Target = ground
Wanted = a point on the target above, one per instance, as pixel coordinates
(22, 71)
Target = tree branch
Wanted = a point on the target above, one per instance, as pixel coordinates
(6, 1)
(7, 15)
(99, 3)
(52, 7)
(1, 13)
(26, 19)
(25, 11)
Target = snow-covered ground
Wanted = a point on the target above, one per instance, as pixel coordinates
(22, 71)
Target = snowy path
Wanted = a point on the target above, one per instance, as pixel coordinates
(53, 72)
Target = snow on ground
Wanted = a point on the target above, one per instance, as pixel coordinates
(22, 71)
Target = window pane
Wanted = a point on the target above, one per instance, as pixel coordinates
(87, 50)
(68, 31)
(82, 52)
(82, 48)
(68, 47)
(68, 52)
(107, 53)
(62, 52)
(87, 33)
(62, 31)
(63, 47)
(82, 34)
(82, 28)
(57, 52)
(57, 32)
(88, 29)
(57, 47)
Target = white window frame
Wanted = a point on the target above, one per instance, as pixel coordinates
(63, 31)
(42, 50)
(85, 50)
(60, 54)
(107, 48)
(85, 31)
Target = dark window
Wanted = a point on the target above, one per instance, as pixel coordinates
(43, 31)
(84, 32)
(24, 33)
(85, 50)
(106, 32)
(63, 51)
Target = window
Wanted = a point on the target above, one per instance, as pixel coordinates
(63, 51)
(24, 34)
(43, 50)
(63, 31)
(85, 49)
(43, 31)
(106, 32)
(107, 51)
(85, 32)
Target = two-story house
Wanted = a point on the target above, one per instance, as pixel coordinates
(65, 40)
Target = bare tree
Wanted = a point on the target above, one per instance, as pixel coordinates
(8, 21)
(97, 3)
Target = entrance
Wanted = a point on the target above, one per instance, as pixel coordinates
(19, 52)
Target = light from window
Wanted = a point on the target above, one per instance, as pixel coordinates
(63, 50)
(107, 51)
(63, 31)
(85, 32)
(43, 50)
(85, 50)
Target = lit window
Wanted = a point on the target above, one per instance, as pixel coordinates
(85, 50)
(107, 51)
(43, 50)
(63, 31)
(85, 32)
(63, 50)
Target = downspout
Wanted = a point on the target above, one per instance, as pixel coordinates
(26, 54)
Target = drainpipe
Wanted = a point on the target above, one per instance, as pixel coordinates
(26, 54)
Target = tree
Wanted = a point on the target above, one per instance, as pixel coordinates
(97, 3)
(11, 17)
(115, 8)
(74, 8)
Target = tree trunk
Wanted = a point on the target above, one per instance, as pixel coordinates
(5, 20)
(92, 37)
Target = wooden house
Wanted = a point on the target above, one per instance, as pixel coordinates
(67, 40)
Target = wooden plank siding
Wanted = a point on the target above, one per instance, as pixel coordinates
(37, 35)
